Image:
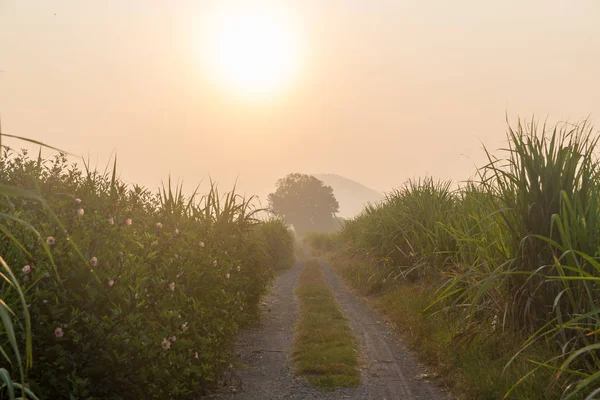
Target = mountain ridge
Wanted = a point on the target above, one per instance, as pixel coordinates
(352, 195)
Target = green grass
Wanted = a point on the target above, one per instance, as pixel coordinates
(518, 243)
(325, 351)
(472, 363)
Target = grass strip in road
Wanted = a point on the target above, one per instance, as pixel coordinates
(325, 350)
(472, 366)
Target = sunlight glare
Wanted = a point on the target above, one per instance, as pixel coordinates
(253, 52)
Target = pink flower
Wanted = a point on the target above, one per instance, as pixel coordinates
(26, 269)
(80, 212)
(58, 332)
(227, 276)
(184, 326)
(111, 221)
(111, 282)
(128, 221)
(202, 244)
(78, 201)
(173, 339)
(166, 344)
(172, 286)
(94, 262)
(50, 240)
(215, 263)
(159, 225)
(196, 355)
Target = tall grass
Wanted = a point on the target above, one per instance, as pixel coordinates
(16, 352)
(404, 234)
(278, 244)
(517, 248)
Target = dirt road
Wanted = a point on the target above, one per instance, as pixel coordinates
(389, 372)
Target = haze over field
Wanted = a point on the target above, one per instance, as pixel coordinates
(138, 265)
(375, 92)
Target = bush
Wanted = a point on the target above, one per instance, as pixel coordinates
(324, 242)
(140, 295)
(279, 244)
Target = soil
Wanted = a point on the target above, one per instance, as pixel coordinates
(264, 368)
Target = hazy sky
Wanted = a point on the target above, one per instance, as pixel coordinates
(389, 89)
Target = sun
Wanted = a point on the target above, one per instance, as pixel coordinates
(252, 52)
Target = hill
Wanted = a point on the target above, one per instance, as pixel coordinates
(352, 195)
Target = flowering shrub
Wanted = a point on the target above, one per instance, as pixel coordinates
(132, 295)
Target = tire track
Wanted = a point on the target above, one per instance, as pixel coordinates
(389, 372)
(265, 349)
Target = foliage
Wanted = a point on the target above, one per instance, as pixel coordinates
(319, 241)
(305, 202)
(518, 247)
(130, 294)
(406, 229)
(277, 242)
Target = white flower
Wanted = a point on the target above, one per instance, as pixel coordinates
(214, 263)
(177, 231)
(173, 339)
(94, 262)
(111, 283)
(184, 326)
(166, 344)
(50, 240)
(494, 322)
(111, 221)
(227, 276)
(80, 212)
(26, 269)
(159, 225)
(196, 355)
(202, 244)
(58, 332)
(172, 286)
(78, 201)
(128, 221)
(239, 268)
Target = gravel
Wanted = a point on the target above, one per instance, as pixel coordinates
(388, 370)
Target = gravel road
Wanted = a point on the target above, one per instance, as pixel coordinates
(389, 371)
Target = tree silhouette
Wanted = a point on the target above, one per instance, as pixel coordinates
(305, 202)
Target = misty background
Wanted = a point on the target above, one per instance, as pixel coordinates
(388, 90)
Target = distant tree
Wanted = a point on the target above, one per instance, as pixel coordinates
(305, 202)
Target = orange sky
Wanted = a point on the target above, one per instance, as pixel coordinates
(388, 91)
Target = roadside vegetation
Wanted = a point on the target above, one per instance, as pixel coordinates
(325, 350)
(496, 282)
(111, 291)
